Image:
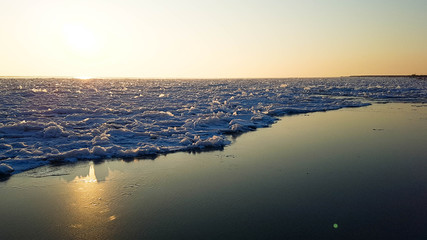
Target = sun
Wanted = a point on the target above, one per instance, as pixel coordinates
(80, 39)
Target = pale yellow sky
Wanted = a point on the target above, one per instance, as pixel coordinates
(212, 39)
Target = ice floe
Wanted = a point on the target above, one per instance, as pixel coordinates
(5, 170)
(51, 120)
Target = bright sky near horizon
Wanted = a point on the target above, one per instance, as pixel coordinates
(212, 38)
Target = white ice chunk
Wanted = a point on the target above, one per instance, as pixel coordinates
(5, 169)
(53, 131)
(212, 142)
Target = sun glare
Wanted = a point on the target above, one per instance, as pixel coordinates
(80, 39)
(83, 77)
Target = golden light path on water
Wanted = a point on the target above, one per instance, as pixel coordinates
(89, 209)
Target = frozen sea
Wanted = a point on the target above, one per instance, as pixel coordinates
(45, 121)
(354, 173)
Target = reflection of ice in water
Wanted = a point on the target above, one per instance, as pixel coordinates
(97, 173)
(90, 178)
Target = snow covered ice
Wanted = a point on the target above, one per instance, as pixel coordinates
(5, 169)
(57, 120)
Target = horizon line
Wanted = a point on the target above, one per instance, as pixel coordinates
(212, 78)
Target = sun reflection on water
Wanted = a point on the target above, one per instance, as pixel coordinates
(90, 178)
(89, 209)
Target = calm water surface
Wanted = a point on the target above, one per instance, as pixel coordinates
(346, 174)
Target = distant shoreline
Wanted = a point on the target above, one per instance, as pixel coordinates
(409, 76)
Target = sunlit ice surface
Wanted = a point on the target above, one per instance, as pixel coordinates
(67, 120)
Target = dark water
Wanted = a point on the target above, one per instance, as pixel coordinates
(346, 174)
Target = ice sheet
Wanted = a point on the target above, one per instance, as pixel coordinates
(56, 120)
